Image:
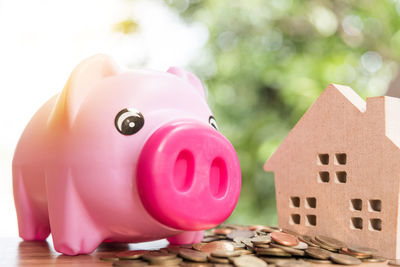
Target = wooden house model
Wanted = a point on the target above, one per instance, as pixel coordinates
(337, 173)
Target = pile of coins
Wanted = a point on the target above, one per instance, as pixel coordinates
(252, 246)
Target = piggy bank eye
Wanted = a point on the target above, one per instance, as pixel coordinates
(129, 121)
(213, 123)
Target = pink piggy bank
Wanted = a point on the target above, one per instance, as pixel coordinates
(123, 156)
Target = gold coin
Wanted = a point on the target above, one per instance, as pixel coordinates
(292, 251)
(131, 254)
(262, 246)
(238, 245)
(284, 239)
(330, 242)
(318, 253)
(363, 250)
(240, 233)
(221, 231)
(157, 257)
(322, 245)
(243, 251)
(247, 260)
(344, 259)
(302, 245)
(169, 262)
(264, 239)
(217, 245)
(307, 239)
(354, 254)
(272, 252)
(316, 261)
(198, 246)
(193, 255)
(225, 254)
(375, 259)
(248, 243)
(217, 260)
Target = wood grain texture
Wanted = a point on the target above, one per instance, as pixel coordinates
(356, 201)
(15, 252)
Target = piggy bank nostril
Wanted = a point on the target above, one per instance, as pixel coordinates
(218, 177)
(183, 171)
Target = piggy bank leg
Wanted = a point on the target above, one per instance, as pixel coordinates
(188, 237)
(72, 228)
(33, 221)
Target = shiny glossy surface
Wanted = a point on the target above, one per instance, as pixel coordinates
(78, 158)
(284, 239)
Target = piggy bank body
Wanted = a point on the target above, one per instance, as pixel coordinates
(123, 156)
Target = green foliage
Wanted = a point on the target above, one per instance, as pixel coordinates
(267, 61)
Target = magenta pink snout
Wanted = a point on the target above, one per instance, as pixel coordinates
(188, 176)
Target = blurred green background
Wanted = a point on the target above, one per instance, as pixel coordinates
(266, 62)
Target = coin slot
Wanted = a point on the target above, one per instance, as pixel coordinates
(375, 224)
(340, 177)
(294, 219)
(375, 205)
(356, 204)
(323, 159)
(294, 202)
(311, 202)
(356, 223)
(323, 177)
(311, 220)
(340, 159)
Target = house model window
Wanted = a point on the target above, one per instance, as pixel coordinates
(356, 204)
(294, 202)
(323, 159)
(310, 203)
(374, 207)
(340, 158)
(323, 177)
(340, 175)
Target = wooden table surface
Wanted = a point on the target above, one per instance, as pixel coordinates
(15, 252)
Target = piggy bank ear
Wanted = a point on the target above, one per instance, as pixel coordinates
(189, 77)
(79, 85)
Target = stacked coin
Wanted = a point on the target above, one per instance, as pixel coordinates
(251, 246)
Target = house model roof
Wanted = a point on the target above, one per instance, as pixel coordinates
(386, 109)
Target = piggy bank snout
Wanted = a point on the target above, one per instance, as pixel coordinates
(188, 176)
